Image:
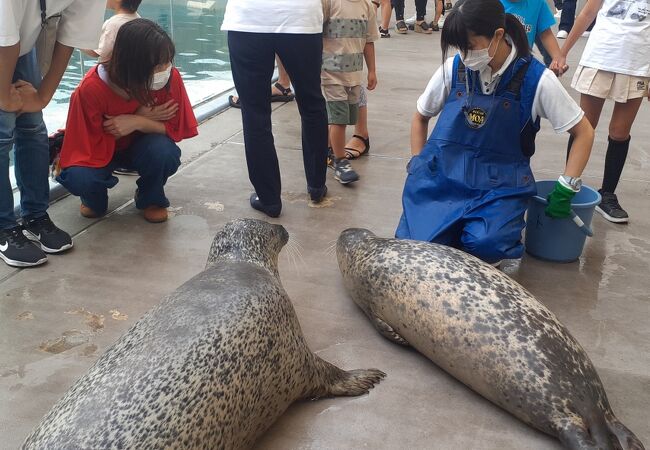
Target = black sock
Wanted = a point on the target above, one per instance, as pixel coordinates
(614, 163)
(568, 147)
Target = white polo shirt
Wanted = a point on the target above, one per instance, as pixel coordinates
(276, 16)
(80, 25)
(551, 101)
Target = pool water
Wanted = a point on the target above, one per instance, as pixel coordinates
(201, 52)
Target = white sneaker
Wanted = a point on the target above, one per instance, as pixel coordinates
(562, 34)
(558, 14)
(586, 34)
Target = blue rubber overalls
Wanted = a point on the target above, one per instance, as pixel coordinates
(470, 185)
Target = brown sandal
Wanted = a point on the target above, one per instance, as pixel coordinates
(353, 153)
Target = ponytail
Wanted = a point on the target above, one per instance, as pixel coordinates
(483, 18)
(516, 31)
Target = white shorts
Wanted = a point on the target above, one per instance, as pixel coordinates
(611, 85)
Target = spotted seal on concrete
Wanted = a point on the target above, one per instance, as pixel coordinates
(212, 366)
(485, 330)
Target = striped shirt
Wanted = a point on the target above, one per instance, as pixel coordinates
(348, 26)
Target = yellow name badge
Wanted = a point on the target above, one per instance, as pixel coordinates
(476, 117)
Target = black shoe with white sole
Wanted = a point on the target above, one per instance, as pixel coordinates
(18, 251)
(610, 209)
(343, 171)
(51, 238)
(271, 211)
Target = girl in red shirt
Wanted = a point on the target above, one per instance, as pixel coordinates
(128, 112)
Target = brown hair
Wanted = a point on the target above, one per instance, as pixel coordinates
(140, 46)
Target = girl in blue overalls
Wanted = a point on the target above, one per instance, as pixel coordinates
(468, 186)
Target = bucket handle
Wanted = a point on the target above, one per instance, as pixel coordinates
(576, 219)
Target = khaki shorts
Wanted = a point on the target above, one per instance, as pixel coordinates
(614, 86)
(342, 104)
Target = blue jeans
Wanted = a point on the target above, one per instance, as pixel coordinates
(27, 135)
(154, 156)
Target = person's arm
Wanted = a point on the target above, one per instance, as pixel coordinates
(183, 124)
(35, 100)
(125, 124)
(583, 140)
(419, 131)
(10, 100)
(369, 55)
(582, 22)
(91, 53)
(429, 104)
(553, 49)
(559, 200)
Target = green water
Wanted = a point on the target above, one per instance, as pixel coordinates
(201, 52)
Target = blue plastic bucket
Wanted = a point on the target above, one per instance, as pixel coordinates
(559, 240)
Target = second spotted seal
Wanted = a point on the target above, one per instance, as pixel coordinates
(485, 330)
(212, 366)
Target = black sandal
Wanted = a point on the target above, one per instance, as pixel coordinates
(285, 96)
(234, 103)
(353, 153)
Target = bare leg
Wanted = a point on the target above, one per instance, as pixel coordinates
(592, 106)
(337, 140)
(623, 118)
(439, 5)
(361, 129)
(386, 10)
(283, 77)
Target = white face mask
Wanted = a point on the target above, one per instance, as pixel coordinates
(160, 79)
(478, 60)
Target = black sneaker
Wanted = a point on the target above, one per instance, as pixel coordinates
(610, 209)
(343, 171)
(317, 194)
(18, 251)
(51, 238)
(271, 211)
(123, 171)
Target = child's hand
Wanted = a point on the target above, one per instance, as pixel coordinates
(160, 113)
(13, 102)
(120, 126)
(372, 81)
(559, 66)
(32, 102)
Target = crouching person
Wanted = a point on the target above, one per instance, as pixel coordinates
(128, 112)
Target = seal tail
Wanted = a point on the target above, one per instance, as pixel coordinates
(622, 435)
(605, 434)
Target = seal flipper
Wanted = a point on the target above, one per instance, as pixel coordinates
(574, 435)
(334, 382)
(388, 332)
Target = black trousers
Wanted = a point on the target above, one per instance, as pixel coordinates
(420, 9)
(252, 57)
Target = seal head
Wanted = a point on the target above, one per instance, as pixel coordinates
(249, 240)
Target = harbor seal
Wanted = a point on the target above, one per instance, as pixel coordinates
(212, 366)
(485, 330)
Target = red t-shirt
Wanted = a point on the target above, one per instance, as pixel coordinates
(87, 145)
